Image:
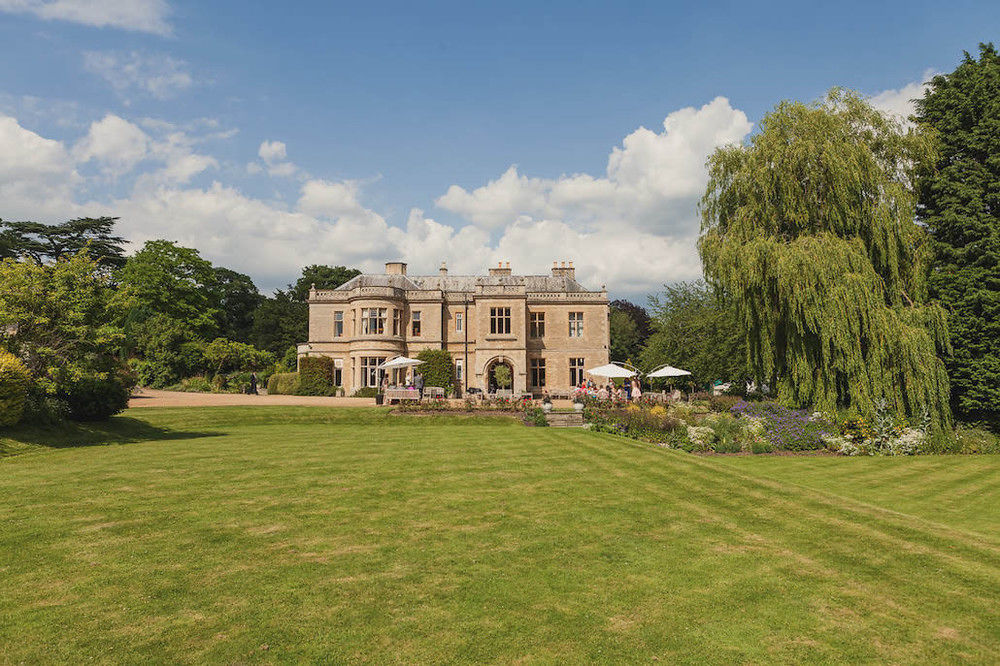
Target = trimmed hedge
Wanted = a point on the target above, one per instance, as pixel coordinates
(14, 384)
(437, 369)
(283, 383)
(316, 376)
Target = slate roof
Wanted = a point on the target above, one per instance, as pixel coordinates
(464, 283)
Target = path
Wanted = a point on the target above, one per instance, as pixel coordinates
(153, 398)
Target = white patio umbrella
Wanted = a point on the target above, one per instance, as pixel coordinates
(399, 362)
(668, 371)
(611, 371)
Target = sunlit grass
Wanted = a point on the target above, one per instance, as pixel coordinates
(310, 534)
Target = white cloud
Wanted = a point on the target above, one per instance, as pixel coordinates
(651, 182)
(155, 75)
(139, 15)
(115, 143)
(272, 151)
(899, 102)
(36, 174)
(274, 154)
(632, 228)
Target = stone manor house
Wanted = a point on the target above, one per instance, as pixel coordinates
(546, 328)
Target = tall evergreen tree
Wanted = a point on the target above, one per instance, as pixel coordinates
(51, 242)
(960, 204)
(810, 228)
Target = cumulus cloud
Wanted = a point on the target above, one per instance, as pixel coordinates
(651, 181)
(139, 15)
(154, 75)
(36, 174)
(274, 154)
(900, 102)
(115, 143)
(632, 228)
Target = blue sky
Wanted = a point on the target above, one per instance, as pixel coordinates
(270, 135)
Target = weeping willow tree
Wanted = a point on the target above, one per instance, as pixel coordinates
(810, 228)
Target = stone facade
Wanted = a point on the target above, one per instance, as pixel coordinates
(545, 328)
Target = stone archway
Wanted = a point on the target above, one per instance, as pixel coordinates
(490, 380)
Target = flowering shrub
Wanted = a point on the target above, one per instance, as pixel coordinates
(787, 429)
(535, 416)
(636, 423)
(884, 435)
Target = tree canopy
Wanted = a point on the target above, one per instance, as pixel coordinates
(697, 330)
(629, 327)
(324, 277)
(960, 204)
(50, 242)
(810, 228)
(165, 278)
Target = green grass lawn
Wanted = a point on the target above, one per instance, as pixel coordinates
(309, 534)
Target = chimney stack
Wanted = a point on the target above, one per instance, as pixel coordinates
(560, 269)
(443, 270)
(395, 268)
(501, 270)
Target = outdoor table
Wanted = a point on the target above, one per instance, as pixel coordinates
(402, 393)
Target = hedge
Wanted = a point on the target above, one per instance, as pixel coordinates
(437, 368)
(283, 383)
(316, 376)
(14, 384)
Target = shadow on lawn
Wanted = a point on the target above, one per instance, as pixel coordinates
(117, 430)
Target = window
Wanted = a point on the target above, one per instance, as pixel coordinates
(575, 371)
(458, 370)
(458, 322)
(397, 322)
(576, 324)
(369, 370)
(338, 372)
(538, 372)
(373, 321)
(536, 324)
(500, 321)
(415, 318)
(338, 324)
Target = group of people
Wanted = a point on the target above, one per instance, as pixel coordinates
(415, 381)
(630, 389)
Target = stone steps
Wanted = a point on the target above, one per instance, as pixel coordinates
(565, 419)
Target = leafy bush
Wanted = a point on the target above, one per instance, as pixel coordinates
(636, 423)
(437, 369)
(787, 429)
(15, 382)
(722, 403)
(43, 409)
(283, 383)
(535, 416)
(94, 398)
(316, 376)
(224, 355)
(192, 385)
(364, 392)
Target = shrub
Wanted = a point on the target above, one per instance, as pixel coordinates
(722, 403)
(535, 416)
(437, 369)
(787, 429)
(364, 392)
(762, 446)
(193, 385)
(42, 409)
(95, 398)
(14, 385)
(283, 383)
(316, 376)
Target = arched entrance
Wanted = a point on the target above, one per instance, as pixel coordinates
(492, 385)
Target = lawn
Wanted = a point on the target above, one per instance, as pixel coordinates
(310, 534)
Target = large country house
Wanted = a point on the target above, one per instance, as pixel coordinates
(546, 328)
